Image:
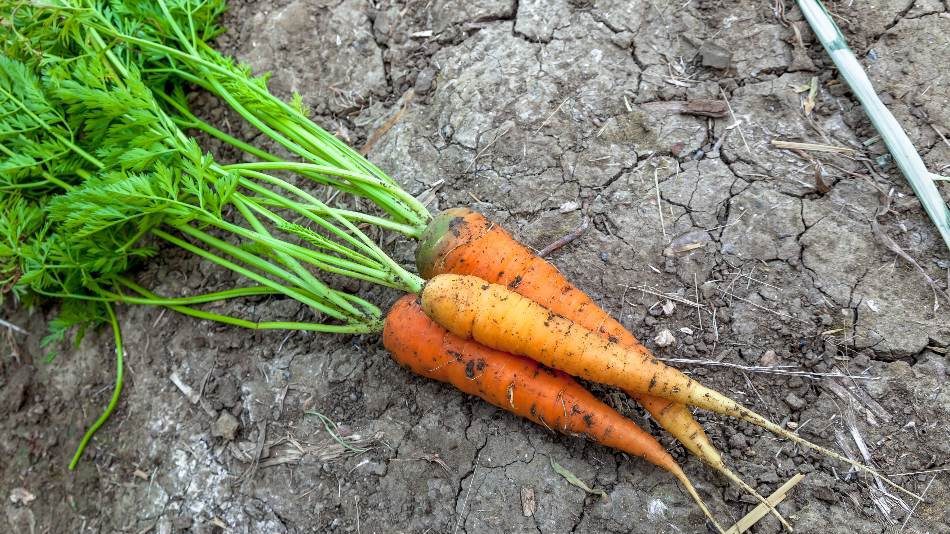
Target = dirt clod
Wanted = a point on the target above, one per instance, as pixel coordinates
(226, 426)
(794, 401)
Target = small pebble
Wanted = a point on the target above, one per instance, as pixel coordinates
(225, 427)
(769, 358)
(715, 56)
(664, 338)
(376, 468)
(424, 81)
(668, 307)
(737, 441)
(794, 401)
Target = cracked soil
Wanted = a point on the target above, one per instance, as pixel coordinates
(533, 111)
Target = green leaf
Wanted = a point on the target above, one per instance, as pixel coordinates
(75, 316)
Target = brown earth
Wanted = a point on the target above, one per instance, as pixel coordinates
(528, 111)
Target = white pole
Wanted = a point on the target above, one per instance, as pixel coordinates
(900, 146)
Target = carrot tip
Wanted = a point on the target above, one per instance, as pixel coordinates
(758, 420)
(681, 476)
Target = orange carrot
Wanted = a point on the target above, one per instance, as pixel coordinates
(463, 241)
(518, 385)
(497, 317)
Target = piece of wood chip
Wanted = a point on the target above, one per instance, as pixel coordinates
(762, 510)
(528, 503)
(703, 108)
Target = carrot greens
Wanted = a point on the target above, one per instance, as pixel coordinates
(98, 173)
(133, 177)
(169, 41)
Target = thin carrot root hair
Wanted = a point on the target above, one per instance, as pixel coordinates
(684, 480)
(749, 416)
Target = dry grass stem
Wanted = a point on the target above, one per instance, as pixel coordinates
(670, 296)
(775, 370)
(762, 510)
(813, 147)
(553, 113)
(659, 205)
(289, 451)
(736, 123)
(914, 509)
(481, 152)
(10, 326)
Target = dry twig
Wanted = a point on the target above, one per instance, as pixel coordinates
(775, 370)
(762, 510)
(813, 147)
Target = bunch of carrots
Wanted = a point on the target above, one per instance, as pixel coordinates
(100, 166)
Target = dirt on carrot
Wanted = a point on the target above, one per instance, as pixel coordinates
(519, 385)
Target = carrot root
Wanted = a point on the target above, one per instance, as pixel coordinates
(681, 476)
(463, 241)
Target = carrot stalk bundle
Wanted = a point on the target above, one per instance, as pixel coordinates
(520, 386)
(463, 241)
(495, 316)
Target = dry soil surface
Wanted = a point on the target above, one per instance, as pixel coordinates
(541, 113)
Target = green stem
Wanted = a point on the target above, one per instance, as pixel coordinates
(116, 391)
(109, 296)
(414, 283)
(192, 121)
(300, 126)
(354, 216)
(360, 243)
(318, 240)
(407, 205)
(54, 180)
(388, 196)
(368, 327)
(285, 254)
(252, 260)
(324, 262)
(320, 221)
